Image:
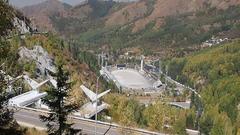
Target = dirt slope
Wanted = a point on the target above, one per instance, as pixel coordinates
(39, 14)
(136, 12)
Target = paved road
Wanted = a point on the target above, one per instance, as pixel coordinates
(31, 119)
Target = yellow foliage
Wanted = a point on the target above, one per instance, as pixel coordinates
(33, 131)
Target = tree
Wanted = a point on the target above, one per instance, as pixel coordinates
(190, 118)
(206, 124)
(222, 125)
(179, 126)
(6, 16)
(60, 108)
(8, 125)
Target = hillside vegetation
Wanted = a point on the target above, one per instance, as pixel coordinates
(8, 59)
(181, 31)
(170, 27)
(215, 74)
(155, 117)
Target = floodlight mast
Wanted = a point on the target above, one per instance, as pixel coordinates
(96, 104)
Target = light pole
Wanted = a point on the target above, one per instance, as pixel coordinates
(2, 64)
(96, 104)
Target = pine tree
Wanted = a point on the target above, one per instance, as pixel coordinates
(6, 17)
(8, 125)
(57, 123)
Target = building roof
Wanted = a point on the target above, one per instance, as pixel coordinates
(121, 65)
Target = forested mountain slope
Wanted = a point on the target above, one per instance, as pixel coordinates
(146, 11)
(8, 59)
(173, 27)
(11, 42)
(179, 34)
(214, 72)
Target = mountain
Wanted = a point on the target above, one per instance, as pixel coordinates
(214, 72)
(152, 24)
(79, 2)
(146, 11)
(53, 15)
(39, 14)
(159, 28)
(164, 28)
(24, 3)
(140, 13)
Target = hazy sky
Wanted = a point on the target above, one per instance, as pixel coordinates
(23, 3)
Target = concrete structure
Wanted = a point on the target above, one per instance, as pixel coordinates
(10, 80)
(192, 132)
(26, 99)
(103, 59)
(214, 41)
(33, 84)
(121, 66)
(131, 79)
(142, 62)
(183, 105)
(157, 84)
(53, 82)
(89, 109)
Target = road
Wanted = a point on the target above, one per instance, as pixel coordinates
(31, 119)
(181, 86)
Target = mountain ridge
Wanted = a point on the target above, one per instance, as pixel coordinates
(162, 9)
(139, 13)
(39, 13)
(182, 24)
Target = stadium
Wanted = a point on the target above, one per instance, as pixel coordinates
(131, 79)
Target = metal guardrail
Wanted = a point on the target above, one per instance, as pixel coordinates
(98, 122)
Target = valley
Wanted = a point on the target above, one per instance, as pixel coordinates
(140, 67)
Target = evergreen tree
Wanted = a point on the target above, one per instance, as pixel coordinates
(8, 125)
(6, 16)
(57, 123)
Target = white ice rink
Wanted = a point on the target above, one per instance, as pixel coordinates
(131, 79)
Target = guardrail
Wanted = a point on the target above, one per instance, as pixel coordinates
(98, 122)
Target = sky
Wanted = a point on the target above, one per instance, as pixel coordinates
(23, 3)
